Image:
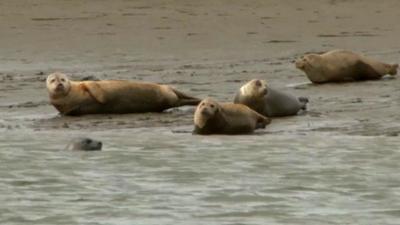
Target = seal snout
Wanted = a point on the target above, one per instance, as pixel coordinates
(205, 112)
(59, 87)
(300, 64)
(264, 91)
(259, 86)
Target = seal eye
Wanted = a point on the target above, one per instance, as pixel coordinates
(258, 83)
(88, 141)
(62, 80)
(52, 80)
(212, 105)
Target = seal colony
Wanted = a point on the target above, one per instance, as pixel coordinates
(112, 96)
(253, 104)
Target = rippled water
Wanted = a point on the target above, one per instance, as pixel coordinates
(155, 176)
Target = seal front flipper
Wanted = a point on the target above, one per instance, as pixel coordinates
(393, 69)
(262, 121)
(303, 101)
(94, 90)
(198, 130)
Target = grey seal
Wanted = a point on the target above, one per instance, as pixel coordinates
(268, 101)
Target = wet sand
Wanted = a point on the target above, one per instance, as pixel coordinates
(206, 48)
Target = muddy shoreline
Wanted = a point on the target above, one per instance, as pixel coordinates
(205, 48)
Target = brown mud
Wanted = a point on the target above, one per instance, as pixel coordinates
(205, 48)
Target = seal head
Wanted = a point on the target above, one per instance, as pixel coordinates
(58, 84)
(255, 88)
(85, 144)
(308, 62)
(206, 110)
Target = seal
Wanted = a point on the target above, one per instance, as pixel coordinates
(268, 101)
(112, 96)
(343, 65)
(84, 144)
(212, 117)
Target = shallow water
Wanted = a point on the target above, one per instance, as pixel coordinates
(156, 176)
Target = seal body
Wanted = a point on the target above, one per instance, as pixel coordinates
(85, 144)
(212, 117)
(112, 96)
(342, 65)
(267, 101)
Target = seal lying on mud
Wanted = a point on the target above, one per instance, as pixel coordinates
(212, 117)
(112, 96)
(342, 65)
(84, 144)
(267, 101)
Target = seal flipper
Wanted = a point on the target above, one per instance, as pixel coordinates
(393, 69)
(185, 99)
(262, 121)
(95, 91)
(260, 125)
(303, 101)
(196, 130)
(365, 71)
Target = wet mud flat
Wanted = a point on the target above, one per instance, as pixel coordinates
(363, 108)
(204, 48)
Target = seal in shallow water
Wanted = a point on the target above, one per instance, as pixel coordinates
(85, 144)
(267, 101)
(342, 65)
(212, 117)
(112, 96)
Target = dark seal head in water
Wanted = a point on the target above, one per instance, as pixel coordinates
(85, 144)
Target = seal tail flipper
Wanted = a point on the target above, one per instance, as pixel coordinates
(393, 69)
(304, 101)
(185, 99)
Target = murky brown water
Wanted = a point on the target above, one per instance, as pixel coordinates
(155, 176)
